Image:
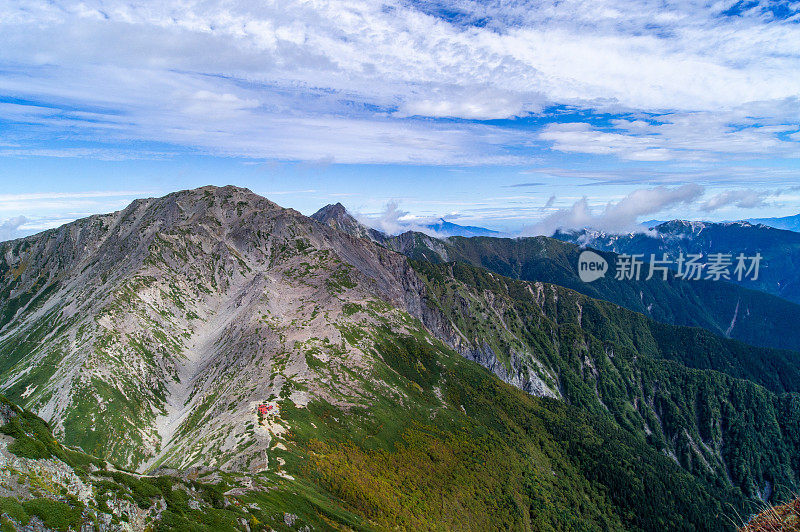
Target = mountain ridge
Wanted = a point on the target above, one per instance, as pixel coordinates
(722, 308)
(779, 249)
(163, 252)
(159, 330)
(788, 223)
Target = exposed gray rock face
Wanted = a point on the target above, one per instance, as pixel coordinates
(150, 335)
(336, 216)
(415, 244)
(407, 243)
(523, 369)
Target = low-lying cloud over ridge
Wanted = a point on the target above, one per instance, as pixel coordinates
(617, 217)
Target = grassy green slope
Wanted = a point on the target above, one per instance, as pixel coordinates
(455, 449)
(465, 451)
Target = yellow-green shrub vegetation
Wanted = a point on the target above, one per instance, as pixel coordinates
(781, 518)
(56, 515)
(487, 456)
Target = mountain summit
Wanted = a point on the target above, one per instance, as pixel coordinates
(445, 228)
(336, 216)
(134, 323)
(333, 213)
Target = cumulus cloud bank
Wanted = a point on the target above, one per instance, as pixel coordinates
(393, 220)
(619, 216)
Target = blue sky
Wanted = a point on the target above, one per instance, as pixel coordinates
(516, 115)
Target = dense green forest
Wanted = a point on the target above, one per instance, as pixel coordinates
(718, 407)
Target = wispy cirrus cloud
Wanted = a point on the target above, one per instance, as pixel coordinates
(685, 136)
(529, 184)
(718, 173)
(306, 81)
(744, 198)
(65, 201)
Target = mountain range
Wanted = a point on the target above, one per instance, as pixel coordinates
(444, 228)
(723, 308)
(779, 249)
(219, 362)
(789, 223)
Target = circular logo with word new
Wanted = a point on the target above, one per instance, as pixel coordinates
(591, 266)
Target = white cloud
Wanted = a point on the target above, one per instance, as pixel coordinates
(222, 117)
(21, 226)
(619, 216)
(214, 106)
(392, 220)
(344, 79)
(470, 103)
(65, 200)
(744, 198)
(714, 173)
(688, 136)
(582, 138)
(9, 228)
(34, 212)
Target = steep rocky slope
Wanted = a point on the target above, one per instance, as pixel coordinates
(134, 327)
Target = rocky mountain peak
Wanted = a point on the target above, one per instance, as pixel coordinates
(160, 304)
(332, 212)
(336, 216)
